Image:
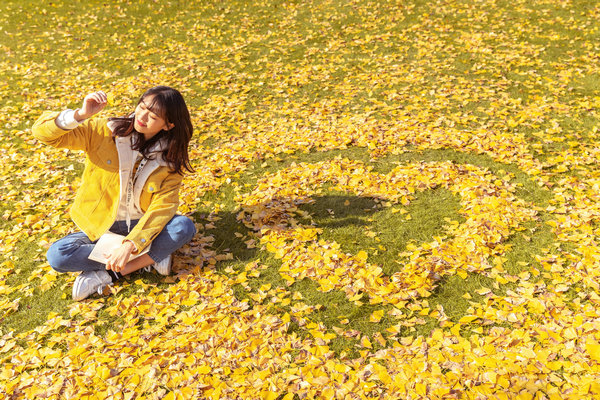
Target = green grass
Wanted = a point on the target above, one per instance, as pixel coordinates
(346, 219)
(363, 224)
(345, 224)
(302, 55)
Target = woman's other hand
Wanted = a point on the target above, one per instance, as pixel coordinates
(93, 103)
(120, 257)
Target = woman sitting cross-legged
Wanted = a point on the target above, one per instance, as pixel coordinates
(130, 185)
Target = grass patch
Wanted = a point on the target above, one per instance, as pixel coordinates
(357, 223)
(360, 223)
(279, 58)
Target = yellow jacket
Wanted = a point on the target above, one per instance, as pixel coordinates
(156, 191)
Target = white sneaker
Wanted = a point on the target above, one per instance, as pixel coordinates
(90, 282)
(163, 267)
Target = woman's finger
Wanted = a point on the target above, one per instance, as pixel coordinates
(97, 98)
(110, 264)
(100, 97)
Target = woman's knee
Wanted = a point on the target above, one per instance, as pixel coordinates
(182, 227)
(63, 253)
(56, 258)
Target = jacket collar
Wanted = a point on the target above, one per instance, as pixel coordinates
(127, 155)
(156, 148)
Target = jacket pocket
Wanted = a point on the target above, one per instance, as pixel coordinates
(147, 194)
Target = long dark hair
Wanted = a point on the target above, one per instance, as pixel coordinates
(167, 103)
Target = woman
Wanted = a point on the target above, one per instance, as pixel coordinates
(130, 185)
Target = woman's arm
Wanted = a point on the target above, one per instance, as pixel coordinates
(160, 211)
(52, 127)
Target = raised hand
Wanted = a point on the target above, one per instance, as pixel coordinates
(93, 103)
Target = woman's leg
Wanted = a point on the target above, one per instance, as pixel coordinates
(70, 254)
(137, 263)
(178, 231)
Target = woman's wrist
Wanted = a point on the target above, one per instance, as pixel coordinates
(130, 245)
(79, 117)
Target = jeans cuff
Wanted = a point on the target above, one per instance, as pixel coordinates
(153, 256)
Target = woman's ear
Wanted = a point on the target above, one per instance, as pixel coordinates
(170, 126)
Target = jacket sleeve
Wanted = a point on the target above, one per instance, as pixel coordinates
(80, 138)
(162, 208)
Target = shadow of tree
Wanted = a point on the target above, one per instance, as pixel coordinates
(355, 222)
(338, 211)
(327, 212)
(344, 218)
(360, 223)
(332, 211)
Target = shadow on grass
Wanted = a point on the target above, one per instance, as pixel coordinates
(356, 223)
(327, 212)
(360, 223)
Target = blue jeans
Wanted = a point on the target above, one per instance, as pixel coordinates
(70, 254)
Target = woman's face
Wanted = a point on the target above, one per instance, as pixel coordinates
(146, 122)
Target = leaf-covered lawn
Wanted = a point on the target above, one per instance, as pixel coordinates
(394, 199)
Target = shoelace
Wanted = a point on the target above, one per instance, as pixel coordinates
(101, 289)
